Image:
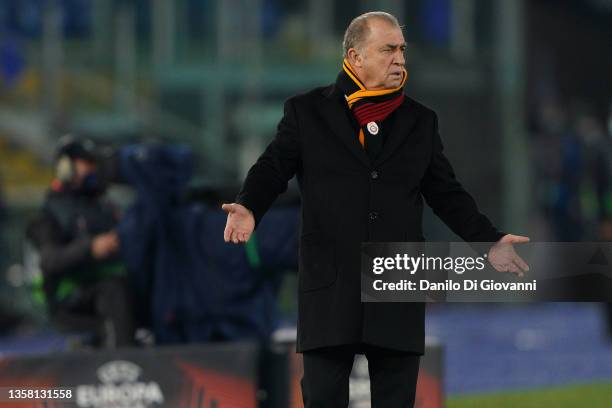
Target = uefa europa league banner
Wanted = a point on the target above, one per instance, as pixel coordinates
(228, 375)
(210, 376)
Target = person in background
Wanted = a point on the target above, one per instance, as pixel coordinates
(84, 278)
(3, 217)
(9, 318)
(603, 183)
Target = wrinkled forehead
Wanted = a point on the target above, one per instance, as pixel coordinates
(382, 32)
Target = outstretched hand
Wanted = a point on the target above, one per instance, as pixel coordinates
(504, 258)
(240, 223)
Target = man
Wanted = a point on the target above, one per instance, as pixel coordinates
(365, 156)
(83, 276)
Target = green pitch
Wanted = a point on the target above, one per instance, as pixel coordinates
(592, 396)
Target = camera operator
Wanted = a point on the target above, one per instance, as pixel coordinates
(84, 278)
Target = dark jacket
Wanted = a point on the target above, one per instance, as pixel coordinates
(63, 232)
(347, 200)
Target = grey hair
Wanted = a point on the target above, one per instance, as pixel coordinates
(358, 30)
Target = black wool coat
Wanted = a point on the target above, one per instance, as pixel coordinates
(348, 199)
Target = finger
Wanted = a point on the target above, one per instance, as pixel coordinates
(518, 239)
(227, 233)
(512, 268)
(228, 208)
(500, 268)
(521, 263)
(519, 271)
(235, 239)
(243, 237)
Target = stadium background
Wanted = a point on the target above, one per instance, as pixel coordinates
(508, 79)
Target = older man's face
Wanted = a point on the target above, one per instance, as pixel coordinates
(382, 56)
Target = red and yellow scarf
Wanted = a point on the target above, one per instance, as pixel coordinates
(368, 106)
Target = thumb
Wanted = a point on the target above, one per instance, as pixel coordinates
(228, 208)
(517, 239)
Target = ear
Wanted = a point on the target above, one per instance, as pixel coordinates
(354, 58)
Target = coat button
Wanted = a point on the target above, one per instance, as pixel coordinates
(373, 215)
(374, 175)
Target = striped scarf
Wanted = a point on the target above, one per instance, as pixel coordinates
(369, 107)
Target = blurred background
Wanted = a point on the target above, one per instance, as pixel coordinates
(522, 89)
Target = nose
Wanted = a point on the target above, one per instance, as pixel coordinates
(398, 58)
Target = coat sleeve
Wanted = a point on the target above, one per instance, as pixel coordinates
(271, 173)
(449, 200)
(57, 257)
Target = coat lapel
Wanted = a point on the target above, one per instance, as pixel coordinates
(405, 119)
(335, 115)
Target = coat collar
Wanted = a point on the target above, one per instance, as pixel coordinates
(334, 112)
